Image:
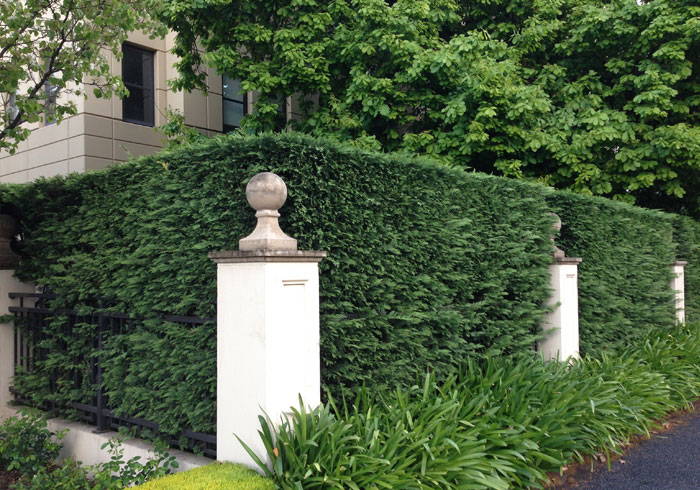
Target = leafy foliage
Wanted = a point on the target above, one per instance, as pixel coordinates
(49, 48)
(28, 446)
(176, 132)
(597, 97)
(70, 475)
(500, 423)
(114, 474)
(118, 473)
(427, 265)
(26, 443)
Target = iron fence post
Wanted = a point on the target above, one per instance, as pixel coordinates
(101, 421)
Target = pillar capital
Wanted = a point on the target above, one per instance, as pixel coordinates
(241, 256)
(568, 260)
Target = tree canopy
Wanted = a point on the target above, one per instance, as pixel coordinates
(50, 48)
(600, 97)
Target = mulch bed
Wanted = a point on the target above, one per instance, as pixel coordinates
(7, 478)
(577, 474)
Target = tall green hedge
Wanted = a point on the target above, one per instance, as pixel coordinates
(426, 266)
(624, 279)
(687, 234)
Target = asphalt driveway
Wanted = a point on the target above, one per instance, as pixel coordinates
(669, 460)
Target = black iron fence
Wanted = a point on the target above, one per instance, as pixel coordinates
(33, 317)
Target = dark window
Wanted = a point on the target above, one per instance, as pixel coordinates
(281, 112)
(234, 100)
(137, 73)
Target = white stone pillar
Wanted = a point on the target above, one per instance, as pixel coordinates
(561, 340)
(267, 327)
(562, 337)
(678, 286)
(8, 284)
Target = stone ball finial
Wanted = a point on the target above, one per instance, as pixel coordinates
(557, 222)
(266, 193)
(556, 226)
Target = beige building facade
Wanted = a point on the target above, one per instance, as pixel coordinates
(101, 134)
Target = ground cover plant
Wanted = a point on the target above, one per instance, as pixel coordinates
(498, 423)
(215, 476)
(427, 266)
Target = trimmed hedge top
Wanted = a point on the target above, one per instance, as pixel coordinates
(427, 265)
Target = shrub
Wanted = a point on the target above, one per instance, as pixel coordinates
(118, 473)
(499, 423)
(69, 475)
(26, 443)
(114, 474)
(426, 265)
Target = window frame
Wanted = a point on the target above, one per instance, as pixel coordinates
(148, 109)
(244, 102)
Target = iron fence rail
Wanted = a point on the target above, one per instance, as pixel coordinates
(33, 319)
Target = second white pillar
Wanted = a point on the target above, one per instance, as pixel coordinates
(561, 325)
(678, 287)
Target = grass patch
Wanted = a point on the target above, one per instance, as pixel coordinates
(215, 476)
